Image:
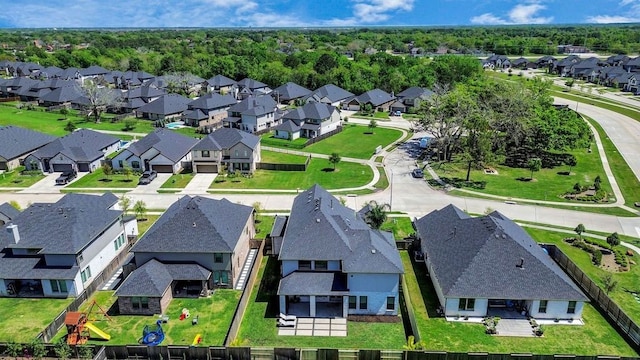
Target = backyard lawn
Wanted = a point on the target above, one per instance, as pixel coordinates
(264, 223)
(98, 179)
(596, 337)
(259, 325)
(19, 322)
(214, 318)
(548, 184)
(275, 157)
(355, 141)
(401, 227)
(628, 282)
(178, 181)
(16, 179)
(319, 171)
(144, 225)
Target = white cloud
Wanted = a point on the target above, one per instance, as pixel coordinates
(526, 13)
(627, 2)
(371, 11)
(628, 12)
(611, 19)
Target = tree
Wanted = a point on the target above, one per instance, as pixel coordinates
(477, 144)
(99, 98)
(62, 350)
(325, 63)
(609, 283)
(15, 204)
(597, 183)
(140, 208)
(613, 239)
(64, 112)
(372, 125)
(571, 161)
(334, 159)
(70, 126)
(125, 204)
(129, 124)
(534, 164)
(127, 171)
(579, 230)
(569, 84)
(377, 214)
(107, 170)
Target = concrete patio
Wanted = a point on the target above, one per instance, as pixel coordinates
(316, 327)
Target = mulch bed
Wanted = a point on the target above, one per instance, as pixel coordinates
(374, 318)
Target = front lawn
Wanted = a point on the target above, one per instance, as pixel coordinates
(258, 326)
(319, 171)
(16, 179)
(548, 184)
(355, 141)
(178, 181)
(22, 319)
(214, 318)
(98, 179)
(596, 337)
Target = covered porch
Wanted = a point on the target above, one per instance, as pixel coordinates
(314, 294)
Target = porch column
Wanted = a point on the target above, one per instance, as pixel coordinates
(312, 306)
(345, 306)
(283, 304)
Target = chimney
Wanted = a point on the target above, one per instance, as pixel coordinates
(15, 235)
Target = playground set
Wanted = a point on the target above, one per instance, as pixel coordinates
(80, 328)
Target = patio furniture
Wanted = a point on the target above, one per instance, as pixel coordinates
(286, 323)
(287, 317)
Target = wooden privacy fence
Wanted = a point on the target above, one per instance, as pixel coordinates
(621, 321)
(284, 167)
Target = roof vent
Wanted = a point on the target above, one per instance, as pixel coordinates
(373, 251)
(194, 224)
(317, 220)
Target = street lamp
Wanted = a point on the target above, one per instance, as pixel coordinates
(391, 192)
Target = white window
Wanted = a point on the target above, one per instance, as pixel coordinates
(85, 274)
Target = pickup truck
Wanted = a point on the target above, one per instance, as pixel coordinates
(66, 177)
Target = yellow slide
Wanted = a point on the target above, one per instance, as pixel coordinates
(101, 334)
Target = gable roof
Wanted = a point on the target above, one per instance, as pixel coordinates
(166, 105)
(376, 97)
(332, 92)
(226, 138)
(172, 145)
(144, 92)
(255, 105)
(313, 110)
(196, 225)
(287, 126)
(16, 141)
(154, 278)
(82, 145)
(321, 228)
(61, 95)
(8, 211)
(64, 227)
(477, 258)
(212, 101)
(290, 91)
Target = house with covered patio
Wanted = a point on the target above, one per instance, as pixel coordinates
(333, 263)
(308, 121)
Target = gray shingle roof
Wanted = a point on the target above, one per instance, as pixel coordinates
(212, 101)
(219, 225)
(321, 228)
(313, 283)
(225, 138)
(9, 211)
(312, 110)
(477, 258)
(220, 81)
(61, 95)
(288, 126)
(255, 105)
(154, 278)
(331, 92)
(28, 268)
(278, 227)
(290, 91)
(16, 141)
(93, 70)
(144, 92)
(64, 227)
(415, 92)
(172, 145)
(376, 97)
(166, 105)
(82, 145)
(252, 84)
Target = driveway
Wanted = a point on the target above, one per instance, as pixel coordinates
(152, 188)
(199, 184)
(48, 184)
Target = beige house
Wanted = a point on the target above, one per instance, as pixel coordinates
(230, 148)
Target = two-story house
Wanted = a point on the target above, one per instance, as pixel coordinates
(254, 113)
(411, 98)
(308, 121)
(208, 110)
(290, 92)
(163, 150)
(222, 85)
(196, 245)
(17, 143)
(89, 234)
(249, 87)
(232, 149)
(333, 263)
(329, 94)
(81, 150)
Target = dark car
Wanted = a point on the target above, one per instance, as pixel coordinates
(66, 177)
(417, 173)
(147, 177)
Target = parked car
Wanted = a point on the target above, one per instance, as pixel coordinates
(147, 177)
(396, 113)
(417, 173)
(66, 177)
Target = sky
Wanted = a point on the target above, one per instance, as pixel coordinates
(311, 13)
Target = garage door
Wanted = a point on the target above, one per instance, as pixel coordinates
(83, 167)
(62, 167)
(207, 169)
(162, 168)
(3, 165)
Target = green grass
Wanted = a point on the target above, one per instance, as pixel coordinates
(269, 140)
(381, 115)
(16, 179)
(178, 181)
(629, 239)
(355, 141)
(628, 281)
(98, 179)
(144, 225)
(275, 157)
(214, 318)
(548, 184)
(264, 223)
(22, 319)
(319, 171)
(259, 325)
(383, 182)
(596, 337)
(401, 227)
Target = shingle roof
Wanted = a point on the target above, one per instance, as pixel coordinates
(331, 92)
(278, 227)
(313, 283)
(219, 224)
(312, 110)
(477, 258)
(29, 268)
(172, 145)
(255, 105)
(166, 105)
(321, 228)
(144, 92)
(16, 141)
(225, 138)
(82, 145)
(61, 95)
(93, 70)
(220, 81)
(415, 92)
(154, 278)
(288, 126)
(290, 91)
(252, 84)
(9, 211)
(376, 97)
(64, 227)
(212, 101)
